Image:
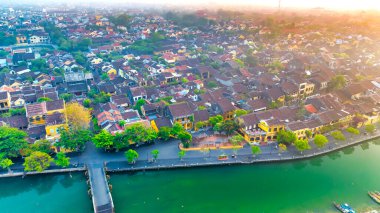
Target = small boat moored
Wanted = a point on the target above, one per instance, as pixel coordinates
(344, 208)
(374, 196)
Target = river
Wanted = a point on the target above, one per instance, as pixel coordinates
(45, 194)
(299, 186)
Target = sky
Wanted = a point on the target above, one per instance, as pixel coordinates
(328, 4)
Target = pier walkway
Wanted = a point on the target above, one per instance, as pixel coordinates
(101, 195)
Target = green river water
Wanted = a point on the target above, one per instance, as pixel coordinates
(300, 186)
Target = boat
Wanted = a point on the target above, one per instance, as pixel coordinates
(222, 157)
(374, 197)
(344, 208)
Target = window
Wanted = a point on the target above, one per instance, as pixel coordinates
(275, 129)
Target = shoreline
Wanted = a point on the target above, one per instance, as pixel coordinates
(123, 166)
(247, 159)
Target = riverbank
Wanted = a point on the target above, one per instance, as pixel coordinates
(48, 171)
(267, 156)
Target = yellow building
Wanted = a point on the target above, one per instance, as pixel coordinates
(36, 113)
(54, 124)
(5, 100)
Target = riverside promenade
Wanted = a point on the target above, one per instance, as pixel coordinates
(243, 156)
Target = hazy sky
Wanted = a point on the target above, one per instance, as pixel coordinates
(331, 4)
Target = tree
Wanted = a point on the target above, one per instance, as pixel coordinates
(164, 133)
(120, 141)
(43, 99)
(138, 133)
(302, 145)
(212, 84)
(66, 96)
(37, 161)
(338, 135)
(181, 154)
(6, 163)
(353, 130)
(337, 82)
(229, 127)
(320, 140)
(103, 139)
(185, 138)
(240, 112)
(286, 137)
(282, 147)
(62, 160)
(74, 139)
(176, 129)
(155, 154)
(78, 116)
(370, 128)
(200, 124)
(235, 141)
(105, 77)
(139, 104)
(131, 155)
(255, 150)
(42, 146)
(12, 140)
(215, 119)
(308, 133)
(87, 103)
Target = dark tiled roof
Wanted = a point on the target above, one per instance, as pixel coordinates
(160, 122)
(180, 110)
(55, 105)
(54, 119)
(36, 109)
(201, 115)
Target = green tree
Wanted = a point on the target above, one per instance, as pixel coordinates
(215, 119)
(61, 160)
(282, 147)
(131, 155)
(43, 99)
(6, 163)
(353, 130)
(370, 128)
(37, 161)
(338, 135)
(337, 82)
(66, 96)
(176, 129)
(302, 145)
(74, 139)
(138, 133)
(42, 146)
(286, 137)
(164, 133)
(255, 150)
(39, 65)
(105, 77)
(229, 127)
(235, 141)
(240, 112)
(155, 154)
(139, 104)
(12, 141)
(212, 84)
(120, 141)
(181, 154)
(320, 140)
(87, 103)
(185, 138)
(308, 133)
(103, 139)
